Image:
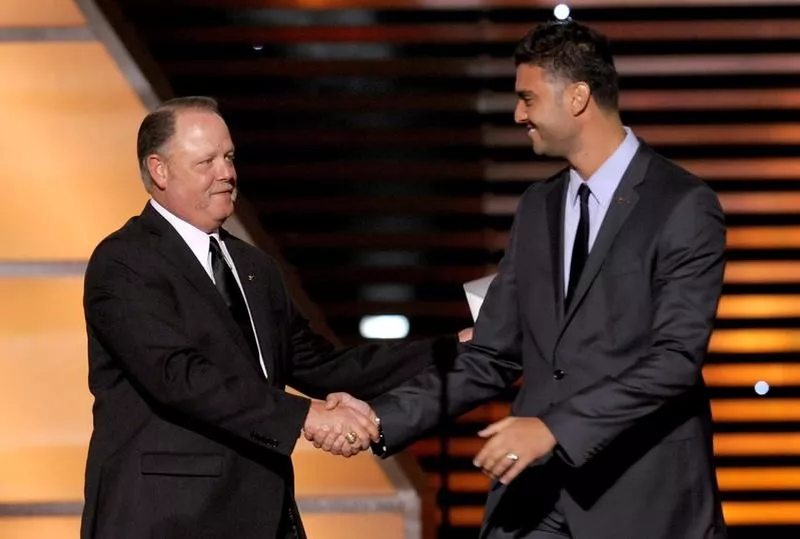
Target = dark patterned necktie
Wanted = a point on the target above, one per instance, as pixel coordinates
(580, 249)
(232, 294)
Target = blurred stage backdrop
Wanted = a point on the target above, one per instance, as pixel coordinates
(379, 161)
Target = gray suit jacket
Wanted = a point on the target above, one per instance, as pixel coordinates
(617, 377)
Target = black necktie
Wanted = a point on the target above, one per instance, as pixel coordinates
(580, 249)
(232, 294)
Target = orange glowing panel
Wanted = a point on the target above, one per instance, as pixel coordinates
(48, 527)
(733, 341)
(747, 374)
(757, 444)
(759, 306)
(755, 513)
(70, 124)
(764, 237)
(32, 13)
(746, 271)
(764, 203)
(758, 478)
(43, 387)
(732, 410)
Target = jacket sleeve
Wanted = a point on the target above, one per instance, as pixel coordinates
(489, 363)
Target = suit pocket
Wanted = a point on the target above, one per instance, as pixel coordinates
(181, 464)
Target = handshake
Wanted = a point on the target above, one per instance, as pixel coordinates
(342, 425)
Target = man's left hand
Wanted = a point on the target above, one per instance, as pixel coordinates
(513, 444)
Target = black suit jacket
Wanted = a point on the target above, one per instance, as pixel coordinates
(617, 377)
(190, 440)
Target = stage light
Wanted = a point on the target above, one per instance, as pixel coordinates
(761, 387)
(386, 326)
(561, 12)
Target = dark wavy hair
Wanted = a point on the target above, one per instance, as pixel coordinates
(574, 52)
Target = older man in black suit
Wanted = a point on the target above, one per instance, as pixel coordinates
(192, 338)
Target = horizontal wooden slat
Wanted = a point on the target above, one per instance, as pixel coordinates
(736, 272)
(754, 341)
(762, 271)
(738, 237)
(764, 237)
(764, 410)
(455, 275)
(489, 102)
(365, 204)
(725, 444)
(456, 4)
(745, 513)
(665, 135)
(366, 138)
(747, 374)
(748, 203)
(351, 171)
(759, 306)
(617, 31)
(723, 410)
(730, 479)
(720, 64)
(777, 168)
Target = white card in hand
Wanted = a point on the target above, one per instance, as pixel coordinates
(475, 292)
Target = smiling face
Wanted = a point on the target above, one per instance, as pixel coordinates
(546, 106)
(193, 174)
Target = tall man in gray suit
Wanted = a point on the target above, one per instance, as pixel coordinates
(604, 304)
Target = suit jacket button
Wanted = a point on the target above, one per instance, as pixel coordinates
(558, 374)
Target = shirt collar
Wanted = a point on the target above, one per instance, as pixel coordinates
(606, 179)
(196, 239)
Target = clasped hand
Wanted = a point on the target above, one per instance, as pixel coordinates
(342, 425)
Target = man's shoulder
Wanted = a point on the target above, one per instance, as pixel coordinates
(673, 177)
(542, 188)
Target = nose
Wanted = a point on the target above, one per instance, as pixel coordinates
(225, 170)
(520, 114)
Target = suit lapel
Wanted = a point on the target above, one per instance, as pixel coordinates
(253, 284)
(174, 250)
(555, 224)
(622, 204)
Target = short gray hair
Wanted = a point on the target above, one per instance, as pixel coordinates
(158, 127)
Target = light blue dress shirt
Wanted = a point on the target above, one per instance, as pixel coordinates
(602, 184)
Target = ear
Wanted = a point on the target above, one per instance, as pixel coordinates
(579, 96)
(158, 170)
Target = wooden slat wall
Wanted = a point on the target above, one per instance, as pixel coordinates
(376, 140)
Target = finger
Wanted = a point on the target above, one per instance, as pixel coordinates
(488, 448)
(333, 400)
(363, 435)
(512, 472)
(340, 442)
(320, 434)
(494, 428)
(329, 440)
(501, 465)
(368, 425)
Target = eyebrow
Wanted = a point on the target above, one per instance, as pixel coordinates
(522, 94)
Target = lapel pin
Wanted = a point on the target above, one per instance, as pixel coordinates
(251, 277)
(623, 200)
